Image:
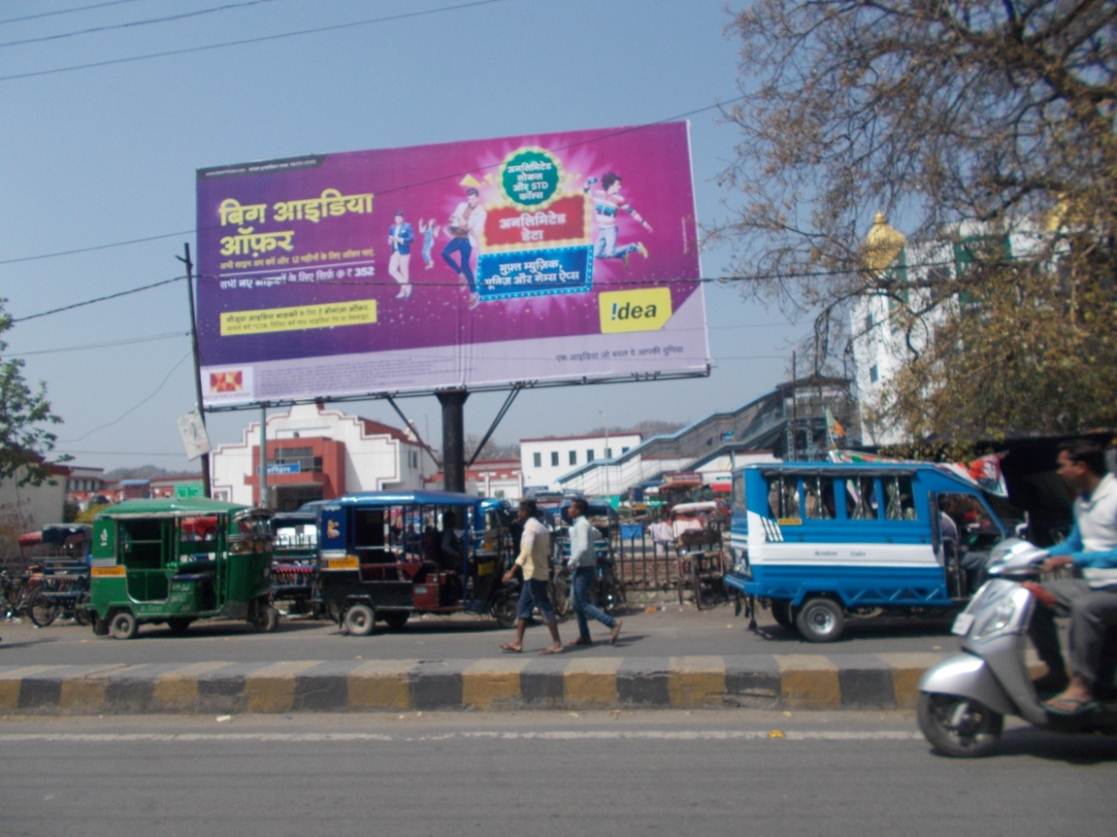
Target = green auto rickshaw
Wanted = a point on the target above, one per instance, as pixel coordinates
(176, 560)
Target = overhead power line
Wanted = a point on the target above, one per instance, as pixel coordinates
(134, 407)
(133, 23)
(94, 247)
(72, 452)
(105, 344)
(256, 40)
(402, 187)
(67, 11)
(371, 283)
(97, 299)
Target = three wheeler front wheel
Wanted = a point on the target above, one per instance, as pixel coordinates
(957, 726)
(359, 620)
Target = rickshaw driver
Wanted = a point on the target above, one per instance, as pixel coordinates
(534, 559)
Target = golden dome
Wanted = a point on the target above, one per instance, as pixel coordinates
(883, 244)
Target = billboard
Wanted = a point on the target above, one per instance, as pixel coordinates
(552, 258)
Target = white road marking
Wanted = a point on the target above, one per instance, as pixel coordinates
(777, 734)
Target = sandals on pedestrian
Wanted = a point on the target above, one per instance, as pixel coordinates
(510, 648)
(616, 632)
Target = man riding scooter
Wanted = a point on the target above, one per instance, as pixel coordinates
(1089, 600)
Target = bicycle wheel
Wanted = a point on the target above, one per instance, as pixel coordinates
(82, 614)
(43, 611)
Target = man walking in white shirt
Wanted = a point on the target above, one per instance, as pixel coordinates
(583, 568)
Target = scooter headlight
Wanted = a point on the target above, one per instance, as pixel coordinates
(1001, 615)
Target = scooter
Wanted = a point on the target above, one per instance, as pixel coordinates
(963, 699)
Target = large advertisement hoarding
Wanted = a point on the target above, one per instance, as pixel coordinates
(548, 258)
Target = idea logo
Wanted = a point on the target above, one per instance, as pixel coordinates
(644, 310)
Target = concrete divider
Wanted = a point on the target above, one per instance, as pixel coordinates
(572, 681)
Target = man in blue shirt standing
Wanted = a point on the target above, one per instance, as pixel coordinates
(400, 236)
(1090, 600)
(583, 568)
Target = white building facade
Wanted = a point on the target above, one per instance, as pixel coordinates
(544, 460)
(880, 344)
(315, 453)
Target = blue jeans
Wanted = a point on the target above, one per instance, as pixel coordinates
(606, 245)
(534, 595)
(465, 250)
(581, 586)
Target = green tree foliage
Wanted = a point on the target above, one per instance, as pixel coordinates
(995, 113)
(25, 415)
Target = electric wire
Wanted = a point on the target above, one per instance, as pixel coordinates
(172, 335)
(716, 105)
(372, 283)
(58, 12)
(147, 22)
(94, 247)
(258, 39)
(134, 407)
(104, 298)
(105, 344)
(71, 452)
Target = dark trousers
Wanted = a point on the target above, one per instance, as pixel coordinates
(1092, 613)
(464, 249)
(584, 609)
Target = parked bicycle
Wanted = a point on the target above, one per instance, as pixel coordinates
(65, 597)
(17, 592)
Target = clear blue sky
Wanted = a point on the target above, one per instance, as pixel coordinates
(108, 153)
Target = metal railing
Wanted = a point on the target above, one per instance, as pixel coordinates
(645, 564)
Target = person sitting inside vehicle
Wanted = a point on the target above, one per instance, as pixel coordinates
(450, 544)
(1091, 600)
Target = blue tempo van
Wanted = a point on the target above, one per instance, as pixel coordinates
(820, 543)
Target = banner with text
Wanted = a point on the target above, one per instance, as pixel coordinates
(548, 258)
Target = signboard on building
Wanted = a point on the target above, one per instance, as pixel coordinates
(284, 468)
(550, 258)
(188, 489)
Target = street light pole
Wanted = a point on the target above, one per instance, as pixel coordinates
(608, 453)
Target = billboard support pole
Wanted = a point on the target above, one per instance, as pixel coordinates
(411, 426)
(453, 439)
(185, 259)
(496, 421)
(263, 456)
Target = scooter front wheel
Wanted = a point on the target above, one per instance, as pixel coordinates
(957, 726)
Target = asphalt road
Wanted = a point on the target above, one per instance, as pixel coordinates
(674, 631)
(728, 772)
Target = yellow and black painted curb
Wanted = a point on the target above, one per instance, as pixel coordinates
(804, 681)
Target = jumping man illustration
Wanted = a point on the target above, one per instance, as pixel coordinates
(607, 201)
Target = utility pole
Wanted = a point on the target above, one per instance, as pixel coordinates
(793, 425)
(263, 501)
(185, 259)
